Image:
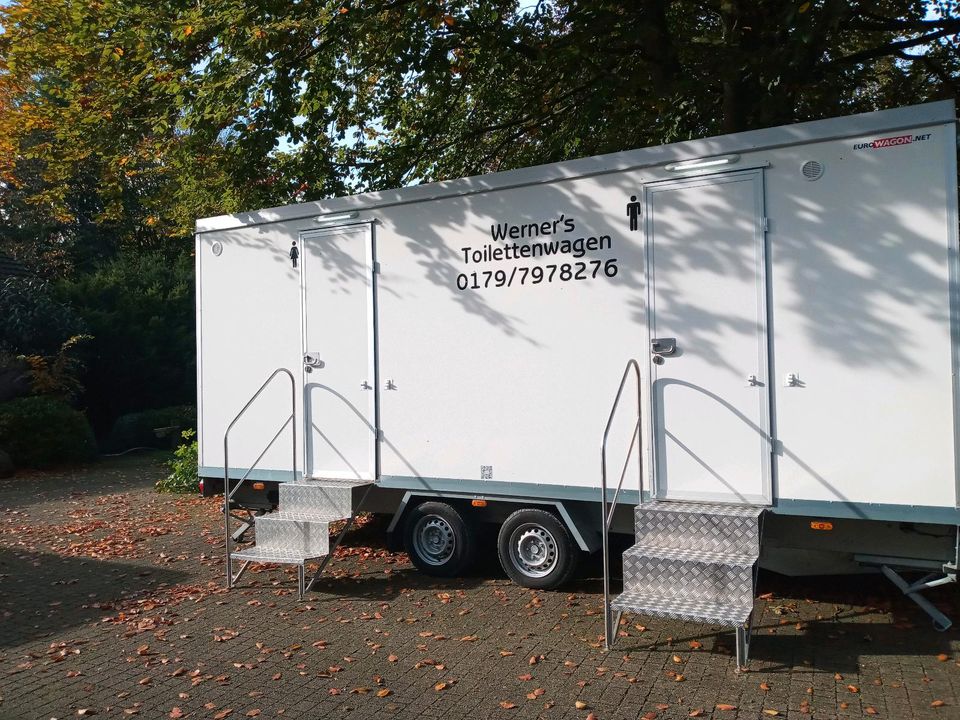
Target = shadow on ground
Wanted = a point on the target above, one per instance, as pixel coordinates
(43, 594)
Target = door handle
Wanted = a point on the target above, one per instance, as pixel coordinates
(366, 386)
(663, 346)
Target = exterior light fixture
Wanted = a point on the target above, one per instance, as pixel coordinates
(704, 163)
(337, 217)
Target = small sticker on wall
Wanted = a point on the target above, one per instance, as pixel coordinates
(486, 472)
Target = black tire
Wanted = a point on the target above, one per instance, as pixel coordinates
(536, 549)
(438, 539)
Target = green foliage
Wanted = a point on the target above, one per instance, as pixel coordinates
(57, 374)
(184, 473)
(41, 432)
(180, 109)
(140, 309)
(32, 320)
(138, 429)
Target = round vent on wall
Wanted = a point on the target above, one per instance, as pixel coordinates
(812, 170)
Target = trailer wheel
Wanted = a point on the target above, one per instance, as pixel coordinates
(438, 539)
(536, 549)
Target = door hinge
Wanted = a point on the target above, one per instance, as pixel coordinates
(376, 267)
(379, 435)
(766, 224)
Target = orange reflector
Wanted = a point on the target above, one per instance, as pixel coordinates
(820, 525)
(478, 503)
(258, 486)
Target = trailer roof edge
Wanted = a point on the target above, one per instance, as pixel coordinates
(913, 116)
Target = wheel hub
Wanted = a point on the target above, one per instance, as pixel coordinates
(533, 550)
(434, 540)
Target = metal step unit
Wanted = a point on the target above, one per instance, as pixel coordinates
(298, 532)
(693, 561)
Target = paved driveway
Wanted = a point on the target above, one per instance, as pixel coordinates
(112, 605)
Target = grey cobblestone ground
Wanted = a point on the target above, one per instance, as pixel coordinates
(111, 605)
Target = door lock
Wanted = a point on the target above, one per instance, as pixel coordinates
(312, 360)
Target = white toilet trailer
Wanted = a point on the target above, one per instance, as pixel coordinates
(790, 295)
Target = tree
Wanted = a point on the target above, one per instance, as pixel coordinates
(198, 108)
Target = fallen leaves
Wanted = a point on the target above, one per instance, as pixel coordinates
(384, 692)
(937, 703)
(725, 707)
(440, 686)
(580, 705)
(507, 705)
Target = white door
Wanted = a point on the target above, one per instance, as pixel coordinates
(338, 343)
(708, 338)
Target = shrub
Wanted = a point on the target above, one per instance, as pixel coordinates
(184, 473)
(137, 429)
(140, 308)
(32, 320)
(40, 432)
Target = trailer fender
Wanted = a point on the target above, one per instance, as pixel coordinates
(584, 531)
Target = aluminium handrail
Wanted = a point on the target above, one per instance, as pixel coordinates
(607, 517)
(227, 492)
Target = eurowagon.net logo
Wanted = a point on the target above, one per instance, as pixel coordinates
(894, 141)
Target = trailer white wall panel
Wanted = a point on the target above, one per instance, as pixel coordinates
(508, 386)
(861, 308)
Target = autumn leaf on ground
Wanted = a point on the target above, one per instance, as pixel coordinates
(525, 677)
(176, 713)
(223, 713)
(580, 705)
(695, 713)
(384, 692)
(771, 712)
(507, 705)
(440, 686)
(254, 712)
(853, 688)
(662, 706)
(943, 657)
(937, 703)
(695, 645)
(764, 686)
(392, 658)
(505, 653)
(726, 707)
(870, 710)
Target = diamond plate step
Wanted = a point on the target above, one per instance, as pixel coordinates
(683, 608)
(703, 526)
(701, 575)
(320, 499)
(285, 537)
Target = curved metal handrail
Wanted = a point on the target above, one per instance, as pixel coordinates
(607, 518)
(227, 492)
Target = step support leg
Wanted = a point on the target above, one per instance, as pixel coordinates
(301, 573)
(744, 633)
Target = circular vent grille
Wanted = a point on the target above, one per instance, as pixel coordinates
(812, 170)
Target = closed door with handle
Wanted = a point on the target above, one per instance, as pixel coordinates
(707, 314)
(338, 353)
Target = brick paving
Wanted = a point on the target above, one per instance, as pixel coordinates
(112, 605)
